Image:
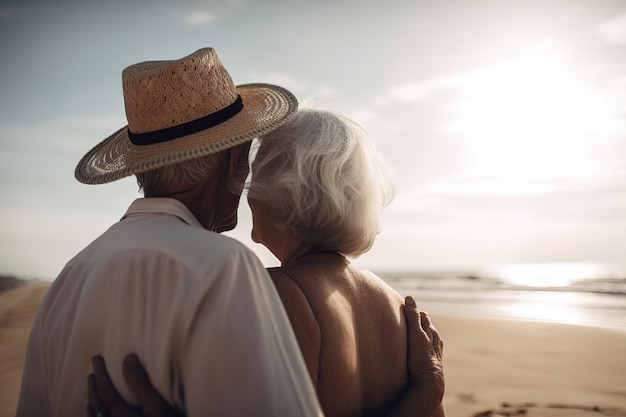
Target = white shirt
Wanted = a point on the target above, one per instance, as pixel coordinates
(198, 308)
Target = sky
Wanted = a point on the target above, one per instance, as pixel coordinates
(503, 121)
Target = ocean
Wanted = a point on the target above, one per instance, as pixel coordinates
(573, 293)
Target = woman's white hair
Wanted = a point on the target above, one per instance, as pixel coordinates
(325, 180)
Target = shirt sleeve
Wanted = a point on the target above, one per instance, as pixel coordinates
(239, 355)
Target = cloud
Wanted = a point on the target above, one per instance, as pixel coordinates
(418, 91)
(614, 30)
(201, 17)
(520, 64)
(305, 89)
(509, 199)
(288, 81)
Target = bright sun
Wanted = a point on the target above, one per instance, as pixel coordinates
(530, 117)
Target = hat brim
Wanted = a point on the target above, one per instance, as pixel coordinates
(265, 107)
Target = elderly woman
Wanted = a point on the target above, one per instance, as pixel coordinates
(317, 188)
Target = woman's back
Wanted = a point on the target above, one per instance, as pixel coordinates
(351, 330)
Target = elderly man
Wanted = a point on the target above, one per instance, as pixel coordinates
(198, 307)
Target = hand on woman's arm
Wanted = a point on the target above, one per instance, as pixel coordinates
(424, 396)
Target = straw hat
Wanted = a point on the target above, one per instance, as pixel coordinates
(183, 109)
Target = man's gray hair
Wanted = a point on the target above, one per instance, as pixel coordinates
(174, 178)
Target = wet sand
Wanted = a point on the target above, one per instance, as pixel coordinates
(493, 367)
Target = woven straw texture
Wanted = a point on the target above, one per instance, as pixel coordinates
(163, 94)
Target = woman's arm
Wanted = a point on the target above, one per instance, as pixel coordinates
(302, 320)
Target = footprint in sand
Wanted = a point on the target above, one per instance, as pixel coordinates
(549, 410)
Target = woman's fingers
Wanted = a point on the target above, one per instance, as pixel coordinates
(106, 391)
(139, 383)
(104, 398)
(137, 379)
(92, 393)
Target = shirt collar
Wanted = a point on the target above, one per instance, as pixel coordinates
(158, 205)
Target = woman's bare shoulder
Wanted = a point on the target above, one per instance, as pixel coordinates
(302, 318)
(294, 297)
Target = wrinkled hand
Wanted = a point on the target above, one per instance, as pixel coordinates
(105, 400)
(425, 352)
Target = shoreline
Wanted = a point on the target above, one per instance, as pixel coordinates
(584, 309)
(494, 366)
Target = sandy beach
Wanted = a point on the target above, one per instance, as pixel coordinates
(494, 367)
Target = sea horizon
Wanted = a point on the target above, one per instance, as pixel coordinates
(590, 294)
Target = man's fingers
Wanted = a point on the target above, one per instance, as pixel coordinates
(433, 334)
(426, 323)
(410, 302)
(419, 334)
(413, 316)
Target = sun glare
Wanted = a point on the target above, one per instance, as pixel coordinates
(548, 274)
(546, 309)
(530, 117)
